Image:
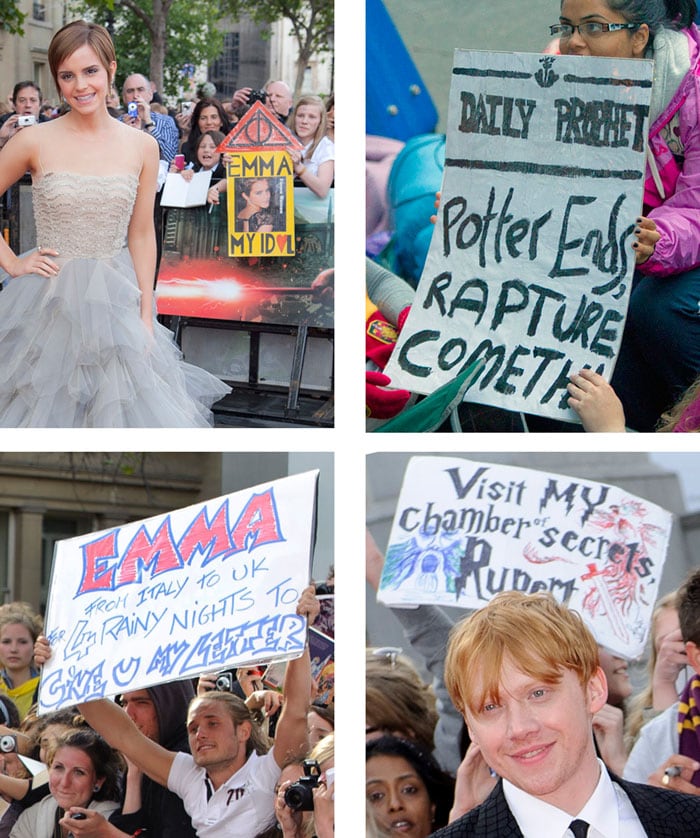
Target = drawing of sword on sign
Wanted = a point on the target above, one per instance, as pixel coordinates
(611, 610)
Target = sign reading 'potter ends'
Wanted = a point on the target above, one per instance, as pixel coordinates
(531, 259)
(199, 589)
(260, 185)
(463, 531)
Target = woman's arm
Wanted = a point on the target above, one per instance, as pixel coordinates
(678, 248)
(16, 158)
(142, 236)
(13, 787)
(320, 183)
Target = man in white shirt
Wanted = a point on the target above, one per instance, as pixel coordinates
(227, 783)
(524, 672)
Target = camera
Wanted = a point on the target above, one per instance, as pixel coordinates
(132, 109)
(257, 96)
(224, 682)
(79, 816)
(27, 119)
(8, 744)
(299, 796)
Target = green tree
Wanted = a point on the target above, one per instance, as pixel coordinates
(312, 24)
(11, 18)
(179, 32)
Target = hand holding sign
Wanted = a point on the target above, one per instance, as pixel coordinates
(646, 238)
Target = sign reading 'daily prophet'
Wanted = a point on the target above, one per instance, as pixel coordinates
(196, 590)
(531, 259)
(464, 531)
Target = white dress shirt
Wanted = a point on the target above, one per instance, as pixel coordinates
(608, 811)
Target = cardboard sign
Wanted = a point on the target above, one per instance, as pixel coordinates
(201, 589)
(260, 196)
(463, 531)
(531, 259)
(260, 179)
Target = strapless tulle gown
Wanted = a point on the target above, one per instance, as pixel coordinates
(75, 352)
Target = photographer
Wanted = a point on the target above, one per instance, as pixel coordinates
(26, 100)
(304, 796)
(277, 97)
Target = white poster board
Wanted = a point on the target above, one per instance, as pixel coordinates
(179, 192)
(196, 590)
(531, 259)
(463, 531)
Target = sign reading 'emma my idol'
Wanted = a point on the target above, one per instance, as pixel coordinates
(463, 531)
(531, 259)
(196, 590)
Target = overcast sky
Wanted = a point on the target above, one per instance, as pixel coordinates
(688, 468)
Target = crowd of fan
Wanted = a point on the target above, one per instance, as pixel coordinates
(179, 130)
(422, 770)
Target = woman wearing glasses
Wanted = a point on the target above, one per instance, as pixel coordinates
(660, 352)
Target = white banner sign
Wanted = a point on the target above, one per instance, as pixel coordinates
(531, 258)
(463, 531)
(199, 589)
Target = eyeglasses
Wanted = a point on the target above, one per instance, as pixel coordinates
(591, 29)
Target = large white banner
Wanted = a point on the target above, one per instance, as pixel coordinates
(463, 531)
(531, 258)
(199, 589)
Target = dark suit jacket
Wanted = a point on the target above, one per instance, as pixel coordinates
(663, 813)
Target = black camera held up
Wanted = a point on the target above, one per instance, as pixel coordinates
(257, 96)
(300, 796)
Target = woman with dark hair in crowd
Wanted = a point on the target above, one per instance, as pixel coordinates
(660, 352)
(41, 735)
(407, 791)
(84, 777)
(320, 721)
(208, 115)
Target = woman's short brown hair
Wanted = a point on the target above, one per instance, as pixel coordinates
(539, 635)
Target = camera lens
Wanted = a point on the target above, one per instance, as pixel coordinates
(297, 798)
(8, 744)
(224, 683)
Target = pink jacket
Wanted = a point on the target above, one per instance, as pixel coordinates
(672, 189)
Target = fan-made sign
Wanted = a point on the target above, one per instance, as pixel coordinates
(260, 185)
(197, 590)
(531, 259)
(463, 531)
(260, 195)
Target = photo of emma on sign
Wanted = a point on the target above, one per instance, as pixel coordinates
(260, 204)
